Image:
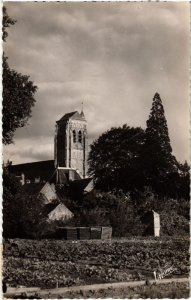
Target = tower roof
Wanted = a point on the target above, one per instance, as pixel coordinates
(72, 115)
(82, 114)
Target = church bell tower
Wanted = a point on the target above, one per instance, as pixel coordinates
(71, 142)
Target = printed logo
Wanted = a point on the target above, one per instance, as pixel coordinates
(162, 273)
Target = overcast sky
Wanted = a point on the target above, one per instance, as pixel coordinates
(113, 56)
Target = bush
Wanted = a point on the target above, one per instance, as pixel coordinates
(92, 217)
(124, 211)
(114, 209)
(11, 211)
(174, 213)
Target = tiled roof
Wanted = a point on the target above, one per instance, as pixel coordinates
(60, 213)
(43, 169)
(67, 116)
(80, 184)
(73, 115)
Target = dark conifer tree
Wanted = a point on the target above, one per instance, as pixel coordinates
(158, 161)
(157, 130)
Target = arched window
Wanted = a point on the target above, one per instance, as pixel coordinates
(74, 136)
(80, 136)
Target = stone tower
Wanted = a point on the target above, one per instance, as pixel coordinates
(71, 142)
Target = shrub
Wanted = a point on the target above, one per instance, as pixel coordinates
(11, 212)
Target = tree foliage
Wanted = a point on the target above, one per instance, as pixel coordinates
(18, 93)
(11, 206)
(18, 99)
(131, 158)
(20, 211)
(157, 140)
(7, 21)
(184, 180)
(114, 156)
(24, 215)
(115, 209)
(157, 130)
(159, 167)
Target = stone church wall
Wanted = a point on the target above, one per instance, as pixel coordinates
(71, 145)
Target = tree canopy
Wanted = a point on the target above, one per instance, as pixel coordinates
(131, 158)
(18, 93)
(11, 205)
(157, 137)
(158, 162)
(113, 158)
(7, 21)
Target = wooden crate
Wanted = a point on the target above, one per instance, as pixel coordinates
(71, 233)
(83, 233)
(95, 233)
(106, 233)
(60, 233)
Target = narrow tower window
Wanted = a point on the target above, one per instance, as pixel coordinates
(74, 136)
(80, 136)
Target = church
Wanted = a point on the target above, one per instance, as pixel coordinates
(68, 172)
(70, 156)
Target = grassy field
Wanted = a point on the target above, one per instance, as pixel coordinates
(51, 263)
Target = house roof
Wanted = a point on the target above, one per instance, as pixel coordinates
(44, 194)
(73, 115)
(60, 213)
(80, 184)
(47, 173)
(43, 169)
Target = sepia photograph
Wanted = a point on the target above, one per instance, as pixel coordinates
(95, 144)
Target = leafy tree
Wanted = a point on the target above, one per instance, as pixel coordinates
(7, 21)
(20, 211)
(18, 99)
(11, 206)
(114, 209)
(157, 160)
(184, 179)
(18, 93)
(124, 219)
(113, 158)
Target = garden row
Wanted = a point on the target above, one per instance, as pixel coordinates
(103, 251)
(48, 263)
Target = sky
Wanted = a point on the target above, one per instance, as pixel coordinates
(112, 56)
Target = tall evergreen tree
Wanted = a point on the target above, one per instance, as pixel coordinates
(157, 130)
(158, 161)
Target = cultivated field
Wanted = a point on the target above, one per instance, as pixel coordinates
(59, 263)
